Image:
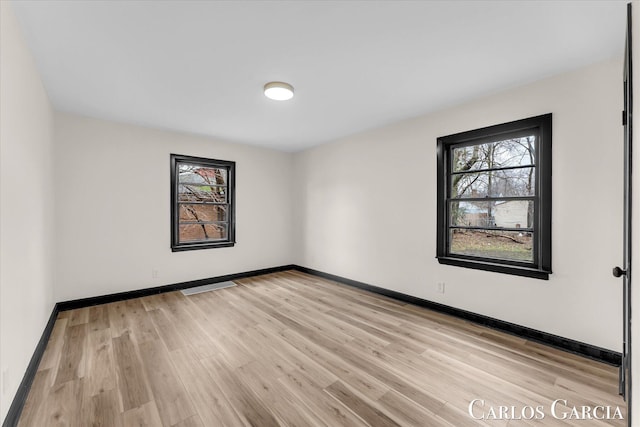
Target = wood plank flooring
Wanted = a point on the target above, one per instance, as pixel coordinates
(289, 349)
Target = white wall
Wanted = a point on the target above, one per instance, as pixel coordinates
(363, 207)
(113, 209)
(366, 208)
(26, 207)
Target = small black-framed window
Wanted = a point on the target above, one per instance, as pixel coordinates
(494, 198)
(202, 203)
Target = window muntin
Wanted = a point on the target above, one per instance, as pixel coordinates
(202, 203)
(494, 198)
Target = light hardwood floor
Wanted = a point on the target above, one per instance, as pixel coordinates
(293, 350)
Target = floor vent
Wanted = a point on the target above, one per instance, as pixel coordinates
(207, 288)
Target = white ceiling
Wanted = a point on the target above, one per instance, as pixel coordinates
(199, 66)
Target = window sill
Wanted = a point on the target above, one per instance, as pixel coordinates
(196, 246)
(497, 268)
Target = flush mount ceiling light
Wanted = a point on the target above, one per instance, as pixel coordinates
(278, 91)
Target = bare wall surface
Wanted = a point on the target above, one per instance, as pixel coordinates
(26, 207)
(113, 208)
(365, 208)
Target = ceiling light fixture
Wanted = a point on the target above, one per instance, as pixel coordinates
(278, 91)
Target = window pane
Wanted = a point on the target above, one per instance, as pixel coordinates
(202, 232)
(202, 184)
(201, 193)
(500, 183)
(190, 173)
(500, 154)
(504, 214)
(203, 213)
(508, 245)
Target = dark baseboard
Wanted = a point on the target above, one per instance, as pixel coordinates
(121, 296)
(13, 415)
(587, 350)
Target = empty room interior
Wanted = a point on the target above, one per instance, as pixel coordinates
(318, 213)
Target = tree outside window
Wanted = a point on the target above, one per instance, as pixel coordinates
(202, 203)
(494, 198)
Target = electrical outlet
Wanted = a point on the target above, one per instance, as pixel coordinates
(154, 273)
(441, 287)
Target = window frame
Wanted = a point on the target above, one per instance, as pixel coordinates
(230, 166)
(540, 268)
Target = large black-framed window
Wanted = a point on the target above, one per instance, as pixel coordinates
(202, 203)
(494, 198)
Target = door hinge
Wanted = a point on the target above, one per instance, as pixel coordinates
(624, 117)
